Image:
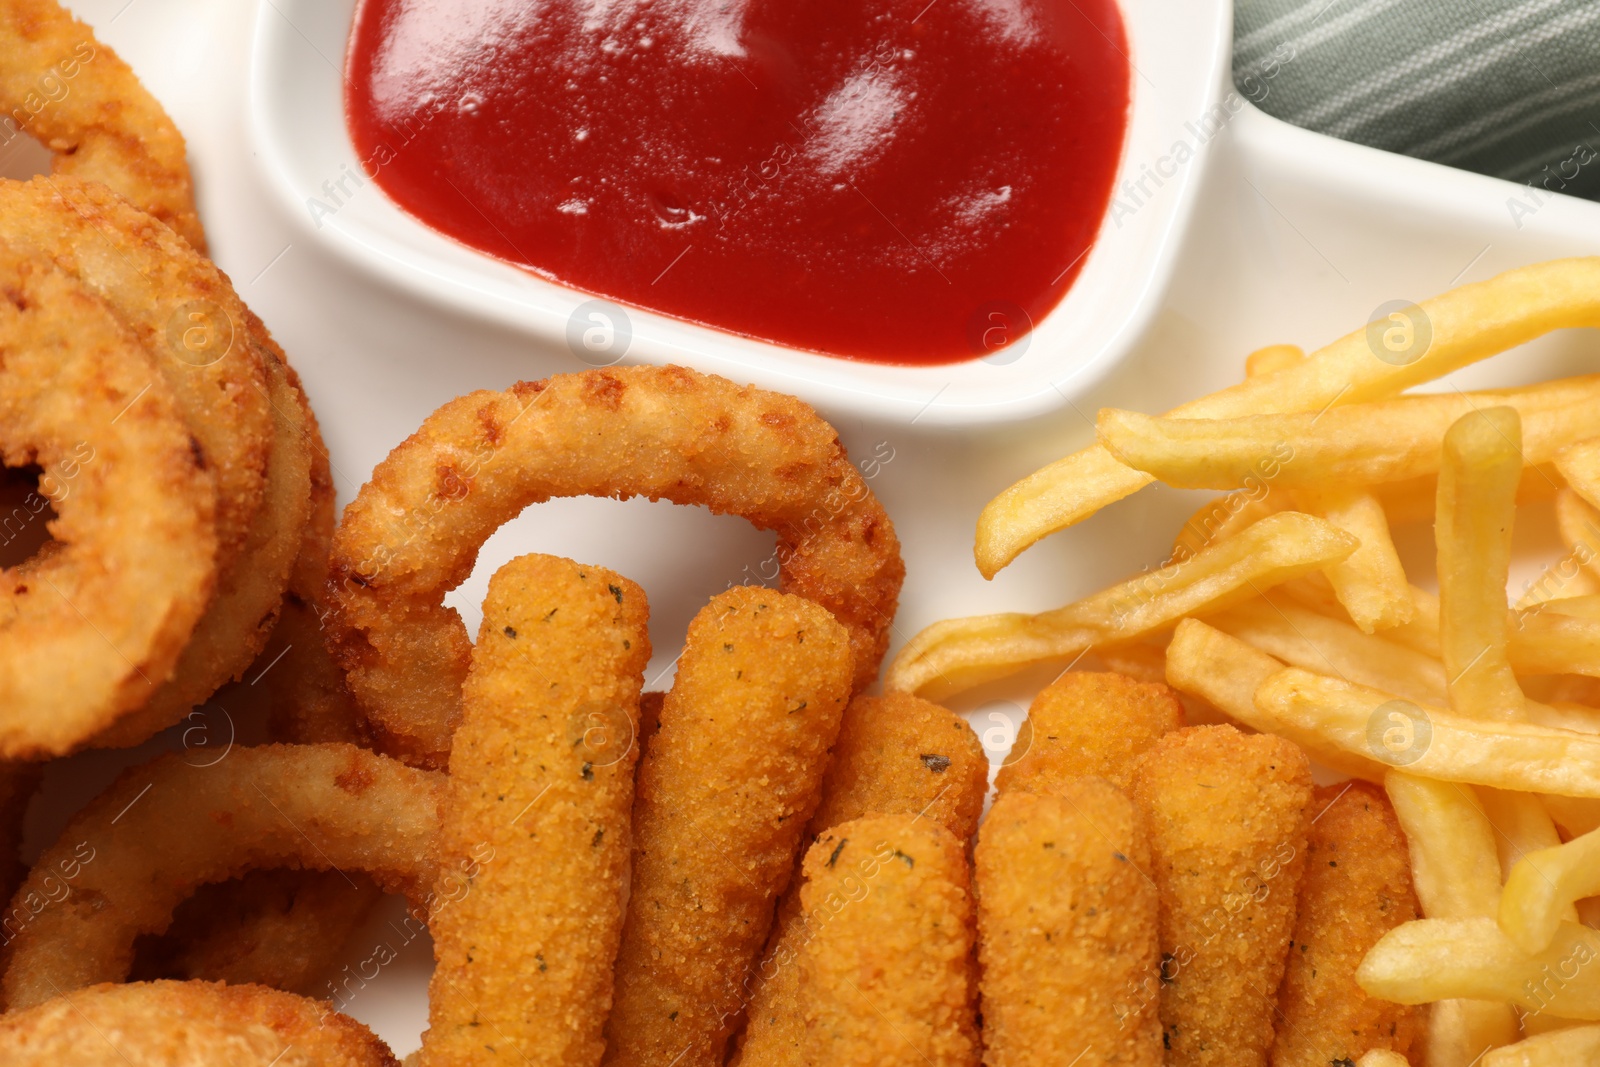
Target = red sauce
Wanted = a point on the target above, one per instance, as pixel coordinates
(866, 178)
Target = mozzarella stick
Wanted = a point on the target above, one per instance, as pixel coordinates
(887, 974)
(1088, 724)
(1356, 888)
(896, 755)
(901, 755)
(1228, 814)
(1067, 931)
(726, 787)
(541, 789)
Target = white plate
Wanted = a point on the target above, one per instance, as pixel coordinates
(1181, 56)
(1296, 238)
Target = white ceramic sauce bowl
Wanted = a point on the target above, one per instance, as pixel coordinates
(1181, 98)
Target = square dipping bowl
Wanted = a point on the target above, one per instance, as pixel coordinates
(1181, 98)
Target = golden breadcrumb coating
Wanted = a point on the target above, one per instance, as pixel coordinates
(1356, 888)
(1067, 930)
(1228, 815)
(887, 973)
(896, 755)
(541, 780)
(726, 786)
(1088, 724)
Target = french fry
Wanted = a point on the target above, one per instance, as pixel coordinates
(1544, 888)
(1560, 1048)
(1454, 863)
(1358, 721)
(1579, 524)
(1355, 445)
(1272, 358)
(1370, 582)
(1549, 641)
(1552, 637)
(1442, 959)
(1304, 638)
(1411, 501)
(1522, 825)
(1563, 580)
(1575, 815)
(1461, 1030)
(1224, 516)
(1455, 867)
(1534, 1023)
(1226, 672)
(1382, 1057)
(1140, 661)
(1579, 464)
(1477, 506)
(1420, 634)
(1576, 607)
(1465, 325)
(957, 654)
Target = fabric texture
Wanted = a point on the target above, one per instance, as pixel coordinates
(1509, 88)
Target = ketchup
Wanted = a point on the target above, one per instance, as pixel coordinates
(875, 179)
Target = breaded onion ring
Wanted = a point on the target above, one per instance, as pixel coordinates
(186, 1024)
(81, 101)
(669, 433)
(325, 807)
(184, 311)
(295, 682)
(280, 928)
(250, 591)
(18, 781)
(88, 630)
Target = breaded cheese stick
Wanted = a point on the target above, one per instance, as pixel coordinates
(887, 974)
(1356, 888)
(1088, 724)
(896, 755)
(726, 787)
(541, 790)
(1067, 930)
(901, 755)
(1228, 815)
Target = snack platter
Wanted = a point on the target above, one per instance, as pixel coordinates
(1270, 235)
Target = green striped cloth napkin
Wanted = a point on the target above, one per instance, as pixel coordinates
(1509, 88)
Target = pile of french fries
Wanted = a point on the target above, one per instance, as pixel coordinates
(1285, 608)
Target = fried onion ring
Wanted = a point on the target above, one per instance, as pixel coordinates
(88, 108)
(186, 1024)
(325, 807)
(250, 592)
(184, 310)
(283, 929)
(414, 531)
(135, 542)
(278, 928)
